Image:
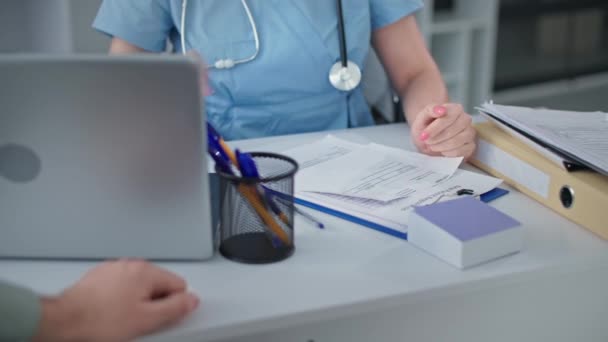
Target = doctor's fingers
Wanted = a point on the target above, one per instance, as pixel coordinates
(464, 137)
(466, 151)
(454, 111)
(203, 75)
(462, 123)
(425, 117)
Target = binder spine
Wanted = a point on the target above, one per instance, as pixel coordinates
(582, 196)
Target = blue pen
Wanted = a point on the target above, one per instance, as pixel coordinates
(225, 167)
(215, 149)
(223, 156)
(219, 160)
(213, 135)
(219, 153)
(308, 217)
(288, 198)
(249, 169)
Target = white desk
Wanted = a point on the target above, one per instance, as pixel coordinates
(350, 283)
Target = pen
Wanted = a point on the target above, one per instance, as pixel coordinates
(251, 195)
(222, 159)
(249, 170)
(286, 198)
(214, 147)
(215, 136)
(309, 217)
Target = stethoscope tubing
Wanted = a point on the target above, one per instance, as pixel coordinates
(344, 75)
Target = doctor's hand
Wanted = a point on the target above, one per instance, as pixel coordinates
(116, 301)
(203, 75)
(444, 130)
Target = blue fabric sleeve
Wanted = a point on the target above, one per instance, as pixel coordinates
(386, 12)
(145, 24)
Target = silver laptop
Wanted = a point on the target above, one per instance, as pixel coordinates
(102, 157)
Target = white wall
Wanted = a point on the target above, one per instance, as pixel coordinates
(84, 38)
(50, 26)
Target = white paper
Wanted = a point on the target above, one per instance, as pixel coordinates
(554, 157)
(582, 134)
(373, 172)
(330, 155)
(320, 151)
(394, 215)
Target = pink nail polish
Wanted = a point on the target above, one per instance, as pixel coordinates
(194, 302)
(439, 110)
(424, 136)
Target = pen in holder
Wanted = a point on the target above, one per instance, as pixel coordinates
(251, 231)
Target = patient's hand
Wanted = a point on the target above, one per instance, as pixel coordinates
(116, 301)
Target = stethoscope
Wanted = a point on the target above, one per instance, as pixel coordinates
(345, 75)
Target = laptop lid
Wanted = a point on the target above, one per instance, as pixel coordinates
(102, 157)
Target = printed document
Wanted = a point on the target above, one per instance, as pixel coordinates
(370, 171)
(582, 136)
(377, 183)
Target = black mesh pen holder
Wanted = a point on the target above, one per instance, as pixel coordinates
(256, 221)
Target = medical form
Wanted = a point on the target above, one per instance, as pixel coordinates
(383, 188)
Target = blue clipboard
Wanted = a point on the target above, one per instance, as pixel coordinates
(487, 197)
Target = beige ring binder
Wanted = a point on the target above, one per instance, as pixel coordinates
(580, 196)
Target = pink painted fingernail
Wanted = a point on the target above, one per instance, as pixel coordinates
(424, 136)
(193, 303)
(439, 110)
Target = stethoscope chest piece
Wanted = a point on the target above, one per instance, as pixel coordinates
(345, 78)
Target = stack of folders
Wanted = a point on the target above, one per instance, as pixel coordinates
(378, 186)
(559, 158)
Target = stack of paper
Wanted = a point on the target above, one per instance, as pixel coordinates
(566, 138)
(376, 185)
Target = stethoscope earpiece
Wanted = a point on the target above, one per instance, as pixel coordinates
(224, 64)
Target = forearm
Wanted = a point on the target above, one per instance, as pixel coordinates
(119, 46)
(424, 89)
(59, 322)
(412, 70)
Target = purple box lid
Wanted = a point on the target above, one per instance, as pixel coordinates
(466, 218)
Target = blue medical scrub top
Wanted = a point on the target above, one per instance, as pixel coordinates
(286, 89)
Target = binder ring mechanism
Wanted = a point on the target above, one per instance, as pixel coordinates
(566, 196)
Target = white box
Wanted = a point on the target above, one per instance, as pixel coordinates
(464, 232)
